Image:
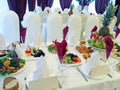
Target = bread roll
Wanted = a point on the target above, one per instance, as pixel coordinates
(10, 83)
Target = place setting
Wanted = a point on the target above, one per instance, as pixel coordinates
(11, 66)
(94, 68)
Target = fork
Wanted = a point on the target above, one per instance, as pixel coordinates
(26, 86)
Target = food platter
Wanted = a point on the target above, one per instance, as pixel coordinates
(115, 55)
(9, 67)
(76, 59)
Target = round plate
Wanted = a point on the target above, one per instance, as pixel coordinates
(19, 71)
(114, 56)
(82, 68)
(76, 64)
(3, 54)
(21, 84)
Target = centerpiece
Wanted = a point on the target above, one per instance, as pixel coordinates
(103, 39)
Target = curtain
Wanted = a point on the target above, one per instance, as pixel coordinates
(50, 3)
(65, 3)
(100, 6)
(19, 6)
(31, 5)
(44, 3)
(117, 2)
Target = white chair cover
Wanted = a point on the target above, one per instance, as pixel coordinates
(47, 10)
(57, 10)
(117, 40)
(85, 8)
(79, 8)
(90, 23)
(75, 27)
(66, 10)
(65, 17)
(112, 24)
(38, 9)
(33, 34)
(10, 26)
(83, 19)
(54, 27)
(2, 42)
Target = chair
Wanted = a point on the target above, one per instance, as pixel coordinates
(10, 26)
(66, 10)
(33, 24)
(57, 10)
(47, 10)
(2, 42)
(75, 28)
(38, 9)
(83, 19)
(54, 27)
(79, 8)
(112, 24)
(117, 40)
(85, 8)
(92, 21)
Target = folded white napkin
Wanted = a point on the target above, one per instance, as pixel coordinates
(92, 62)
(41, 69)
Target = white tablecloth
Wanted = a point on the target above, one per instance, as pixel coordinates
(73, 79)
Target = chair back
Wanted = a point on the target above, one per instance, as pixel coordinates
(47, 10)
(92, 21)
(32, 22)
(54, 27)
(57, 10)
(10, 26)
(75, 28)
(2, 42)
(112, 24)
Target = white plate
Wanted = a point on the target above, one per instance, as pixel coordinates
(30, 58)
(116, 57)
(12, 74)
(82, 68)
(76, 64)
(21, 84)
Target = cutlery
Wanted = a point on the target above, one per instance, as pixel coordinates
(26, 86)
(110, 75)
(59, 84)
(82, 74)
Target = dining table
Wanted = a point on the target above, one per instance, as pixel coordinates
(74, 79)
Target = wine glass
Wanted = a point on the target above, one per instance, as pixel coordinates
(62, 71)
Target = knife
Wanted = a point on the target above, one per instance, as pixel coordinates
(110, 75)
(82, 74)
